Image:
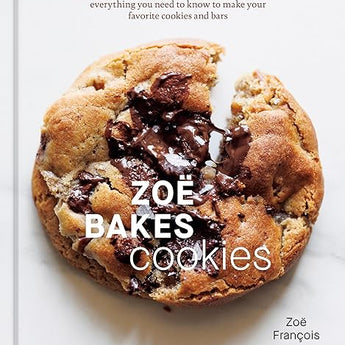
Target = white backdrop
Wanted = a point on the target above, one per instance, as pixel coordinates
(302, 42)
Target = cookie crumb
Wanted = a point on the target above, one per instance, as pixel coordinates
(167, 308)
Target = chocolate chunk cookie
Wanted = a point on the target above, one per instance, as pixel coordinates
(145, 115)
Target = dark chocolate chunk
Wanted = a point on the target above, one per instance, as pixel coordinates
(78, 200)
(151, 283)
(173, 140)
(172, 277)
(228, 185)
(124, 247)
(212, 271)
(170, 88)
(86, 178)
(270, 210)
(235, 148)
(170, 139)
(82, 243)
(133, 169)
(279, 217)
(241, 215)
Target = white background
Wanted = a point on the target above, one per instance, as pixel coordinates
(302, 42)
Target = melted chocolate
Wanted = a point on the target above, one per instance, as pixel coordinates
(133, 169)
(173, 140)
(228, 185)
(124, 247)
(270, 210)
(167, 141)
(78, 199)
(241, 216)
(235, 148)
(170, 88)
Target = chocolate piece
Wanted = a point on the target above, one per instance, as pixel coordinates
(172, 140)
(235, 148)
(228, 185)
(172, 277)
(205, 225)
(88, 178)
(82, 243)
(124, 247)
(118, 134)
(133, 169)
(78, 200)
(212, 271)
(270, 210)
(195, 242)
(150, 283)
(170, 88)
(241, 216)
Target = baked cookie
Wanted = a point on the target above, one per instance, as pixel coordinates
(145, 114)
